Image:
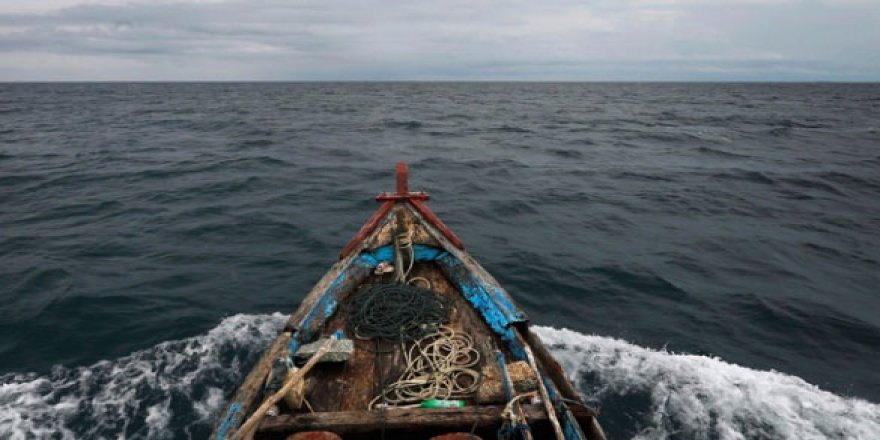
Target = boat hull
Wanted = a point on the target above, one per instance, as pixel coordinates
(340, 395)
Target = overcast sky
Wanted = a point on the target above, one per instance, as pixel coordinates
(837, 40)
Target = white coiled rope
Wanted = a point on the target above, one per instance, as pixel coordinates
(438, 366)
(403, 242)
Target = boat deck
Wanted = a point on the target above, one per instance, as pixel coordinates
(340, 393)
(352, 385)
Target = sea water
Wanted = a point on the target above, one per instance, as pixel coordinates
(701, 258)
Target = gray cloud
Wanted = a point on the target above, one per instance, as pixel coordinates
(397, 39)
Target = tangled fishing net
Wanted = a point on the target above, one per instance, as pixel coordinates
(396, 312)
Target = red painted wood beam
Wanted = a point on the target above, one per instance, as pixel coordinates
(406, 196)
(367, 228)
(402, 173)
(434, 220)
(416, 199)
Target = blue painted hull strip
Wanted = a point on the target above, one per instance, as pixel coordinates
(228, 420)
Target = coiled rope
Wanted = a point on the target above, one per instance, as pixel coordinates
(396, 312)
(439, 366)
(403, 242)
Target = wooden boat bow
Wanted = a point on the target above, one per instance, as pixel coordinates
(415, 199)
(480, 308)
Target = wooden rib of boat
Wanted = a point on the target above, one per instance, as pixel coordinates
(340, 394)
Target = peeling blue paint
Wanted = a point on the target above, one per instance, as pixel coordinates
(496, 301)
(294, 344)
(354, 273)
(490, 300)
(570, 427)
(506, 431)
(502, 365)
(386, 253)
(229, 420)
(513, 311)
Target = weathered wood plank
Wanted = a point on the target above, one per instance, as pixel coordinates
(384, 233)
(325, 387)
(389, 366)
(549, 365)
(345, 387)
(246, 430)
(310, 301)
(380, 234)
(359, 380)
(245, 397)
(552, 369)
(360, 422)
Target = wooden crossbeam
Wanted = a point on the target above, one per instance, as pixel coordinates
(362, 422)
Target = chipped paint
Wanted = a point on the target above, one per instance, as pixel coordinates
(386, 253)
(352, 275)
(489, 299)
(502, 366)
(492, 303)
(293, 345)
(521, 427)
(229, 420)
(570, 427)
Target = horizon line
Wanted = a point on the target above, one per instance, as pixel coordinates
(378, 81)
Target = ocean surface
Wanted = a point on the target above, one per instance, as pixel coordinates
(704, 259)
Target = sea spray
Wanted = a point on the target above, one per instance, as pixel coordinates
(690, 396)
(172, 390)
(176, 389)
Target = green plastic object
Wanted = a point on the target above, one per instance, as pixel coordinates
(437, 403)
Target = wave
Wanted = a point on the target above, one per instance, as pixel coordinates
(175, 390)
(172, 390)
(689, 396)
(721, 153)
(409, 124)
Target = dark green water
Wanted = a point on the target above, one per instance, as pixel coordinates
(691, 237)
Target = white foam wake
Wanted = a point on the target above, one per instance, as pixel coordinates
(698, 397)
(172, 390)
(176, 389)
